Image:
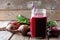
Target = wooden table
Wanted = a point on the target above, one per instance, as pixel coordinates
(5, 35)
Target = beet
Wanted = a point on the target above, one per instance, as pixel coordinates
(24, 29)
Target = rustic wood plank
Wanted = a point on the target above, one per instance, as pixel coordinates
(33, 39)
(11, 36)
(54, 39)
(57, 38)
(27, 37)
(11, 15)
(18, 36)
(4, 23)
(45, 39)
(5, 35)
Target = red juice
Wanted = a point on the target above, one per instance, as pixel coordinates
(38, 26)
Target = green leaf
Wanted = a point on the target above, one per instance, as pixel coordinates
(23, 19)
(51, 23)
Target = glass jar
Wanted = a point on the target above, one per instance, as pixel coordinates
(38, 22)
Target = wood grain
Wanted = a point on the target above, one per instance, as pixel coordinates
(5, 35)
(4, 23)
(18, 36)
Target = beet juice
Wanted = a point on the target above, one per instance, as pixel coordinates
(38, 23)
(38, 27)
